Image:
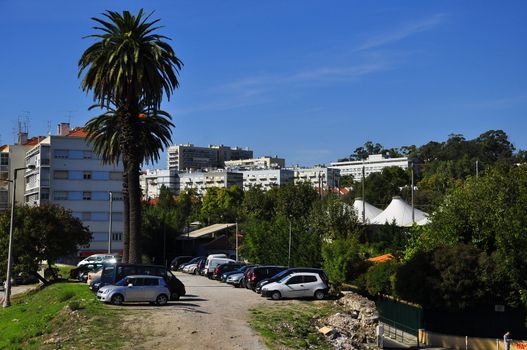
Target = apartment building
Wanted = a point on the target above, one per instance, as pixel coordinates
(256, 163)
(152, 181)
(11, 158)
(373, 164)
(266, 178)
(186, 157)
(202, 181)
(320, 177)
(68, 173)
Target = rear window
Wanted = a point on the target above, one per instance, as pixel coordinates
(151, 281)
(308, 279)
(107, 272)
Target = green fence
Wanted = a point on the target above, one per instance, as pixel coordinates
(400, 315)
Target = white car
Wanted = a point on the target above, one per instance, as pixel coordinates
(235, 279)
(190, 268)
(98, 258)
(149, 288)
(297, 285)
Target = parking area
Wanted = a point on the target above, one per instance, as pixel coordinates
(212, 315)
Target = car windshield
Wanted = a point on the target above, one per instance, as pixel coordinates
(284, 279)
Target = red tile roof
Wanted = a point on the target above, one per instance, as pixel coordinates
(78, 132)
(382, 258)
(34, 140)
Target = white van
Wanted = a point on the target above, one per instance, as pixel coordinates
(98, 258)
(206, 267)
(213, 262)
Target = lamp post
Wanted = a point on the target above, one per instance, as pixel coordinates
(7, 297)
(237, 257)
(289, 256)
(110, 224)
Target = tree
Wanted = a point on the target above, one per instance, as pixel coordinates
(221, 204)
(380, 278)
(380, 187)
(258, 204)
(128, 64)
(103, 134)
(295, 200)
(490, 214)
(43, 233)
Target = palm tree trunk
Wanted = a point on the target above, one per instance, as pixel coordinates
(126, 214)
(134, 191)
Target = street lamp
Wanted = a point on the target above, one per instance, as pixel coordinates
(289, 257)
(110, 224)
(7, 297)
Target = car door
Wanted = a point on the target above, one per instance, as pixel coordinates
(134, 289)
(293, 287)
(151, 289)
(309, 285)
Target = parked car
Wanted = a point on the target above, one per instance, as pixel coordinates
(98, 258)
(200, 267)
(297, 285)
(259, 273)
(81, 272)
(93, 275)
(289, 271)
(190, 262)
(241, 270)
(153, 289)
(220, 269)
(178, 260)
(112, 273)
(212, 263)
(235, 279)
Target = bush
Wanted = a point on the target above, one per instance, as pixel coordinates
(342, 260)
(380, 278)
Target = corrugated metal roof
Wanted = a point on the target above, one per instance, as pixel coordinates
(209, 229)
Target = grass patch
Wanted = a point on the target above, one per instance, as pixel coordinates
(64, 270)
(62, 315)
(292, 325)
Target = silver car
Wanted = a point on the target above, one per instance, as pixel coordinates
(297, 285)
(235, 279)
(136, 288)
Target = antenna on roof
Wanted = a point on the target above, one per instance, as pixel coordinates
(49, 127)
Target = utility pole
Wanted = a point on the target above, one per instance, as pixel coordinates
(413, 209)
(477, 169)
(289, 257)
(237, 257)
(110, 224)
(363, 198)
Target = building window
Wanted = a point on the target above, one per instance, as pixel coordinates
(60, 174)
(75, 154)
(117, 196)
(100, 216)
(86, 196)
(117, 236)
(61, 153)
(86, 175)
(60, 195)
(100, 196)
(87, 155)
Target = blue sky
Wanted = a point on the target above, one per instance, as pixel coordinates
(309, 81)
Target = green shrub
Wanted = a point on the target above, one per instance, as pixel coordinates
(380, 278)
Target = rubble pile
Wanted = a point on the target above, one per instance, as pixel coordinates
(355, 326)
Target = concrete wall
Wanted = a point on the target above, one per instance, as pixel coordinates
(467, 343)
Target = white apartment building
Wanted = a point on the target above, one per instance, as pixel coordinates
(185, 157)
(256, 163)
(320, 177)
(201, 181)
(11, 158)
(152, 181)
(68, 173)
(266, 178)
(373, 164)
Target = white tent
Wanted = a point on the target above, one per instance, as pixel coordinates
(370, 211)
(401, 212)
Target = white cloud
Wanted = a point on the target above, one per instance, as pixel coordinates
(403, 32)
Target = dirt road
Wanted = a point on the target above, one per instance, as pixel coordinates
(212, 315)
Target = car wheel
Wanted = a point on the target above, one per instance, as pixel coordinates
(161, 299)
(319, 294)
(117, 299)
(174, 296)
(276, 295)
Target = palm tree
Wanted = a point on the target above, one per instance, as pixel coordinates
(103, 135)
(128, 64)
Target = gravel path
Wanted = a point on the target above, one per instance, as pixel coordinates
(212, 315)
